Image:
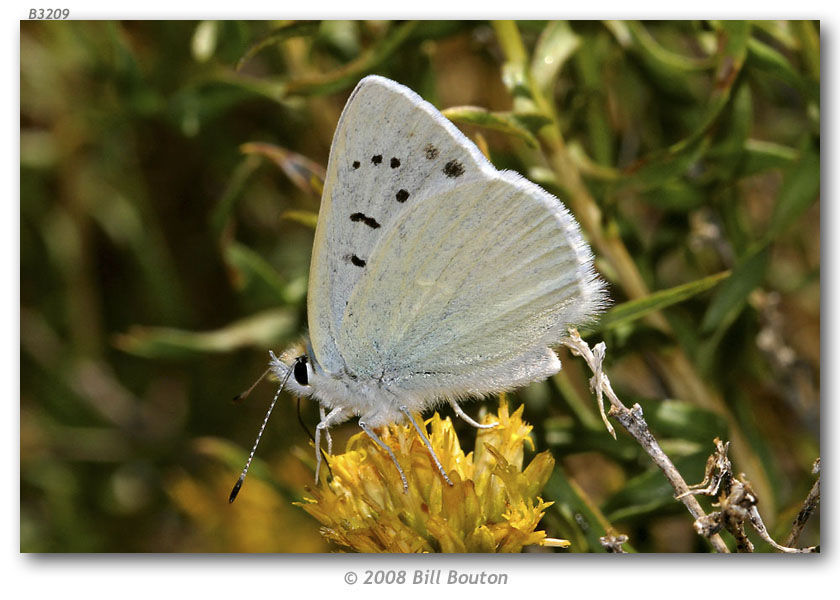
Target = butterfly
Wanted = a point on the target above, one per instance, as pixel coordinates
(434, 276)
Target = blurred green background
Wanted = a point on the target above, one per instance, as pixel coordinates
(169, 184)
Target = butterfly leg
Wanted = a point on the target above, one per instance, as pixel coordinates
(426, 441)
(335, 417)
(387, 449)
(460, 412)
(326, 431)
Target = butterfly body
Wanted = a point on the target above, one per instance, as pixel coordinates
(356, 395)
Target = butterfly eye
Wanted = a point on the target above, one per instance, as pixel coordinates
(299, 370)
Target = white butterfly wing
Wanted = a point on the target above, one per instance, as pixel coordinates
(468, 288)
(390, 149)
(438, 275)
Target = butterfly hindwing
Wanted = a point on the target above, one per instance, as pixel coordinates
(469, 288)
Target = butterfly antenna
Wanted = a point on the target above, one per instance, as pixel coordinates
(246, 393)
(238, 485)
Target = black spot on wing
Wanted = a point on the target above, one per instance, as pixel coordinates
(431, 152)
(395, 162)
(357, 261)
(356, 164)
(453, 169)
(369, 221)
(376, 159)
(402, 195)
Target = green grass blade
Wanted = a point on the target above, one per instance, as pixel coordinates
(505, 122)
(348, 75)
(262, 330)
(732, 295)
(224, 207)
(576, 516)
(278, 36)
(304, 217)
(556, 45)
(799, 190)
(636, 309)
(255, 276)
(760, 156)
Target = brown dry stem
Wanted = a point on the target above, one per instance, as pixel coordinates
(634, 422)
(737, 501)
(808, 508)
(612, 543)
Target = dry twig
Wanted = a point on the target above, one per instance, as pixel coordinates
(634, 422)
(808, 507)
(737, 502)
(736, 499)
(612, 543)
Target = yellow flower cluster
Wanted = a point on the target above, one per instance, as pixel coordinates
(492, 507)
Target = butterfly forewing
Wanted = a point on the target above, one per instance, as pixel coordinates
(391, 149)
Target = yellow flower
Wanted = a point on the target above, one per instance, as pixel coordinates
(492, 507)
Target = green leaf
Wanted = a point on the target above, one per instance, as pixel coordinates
(532, 121)
(667, 164)
(272, 89)
(317, 84)
(781, 32)
(588, 167)
(659, 168)
(348, 75)
(736, 125)
(341, 36)
(304, 217)
(223, 209)
(800, 189)
(591, 61)
(555, 46)
(669, 71)
(809, 42)
(734, 36)
(650, 492)
(685, 421)
(204, 40)
(677, 196)
(262, 330)
(768, 59)
(256, 276)
(505, 122)
(665, 60)
(515, 71)
(564, 435)
(732, 296)
(580, 520)
(636, 309)
(761, 156)
(307, 175)
(278, 36)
